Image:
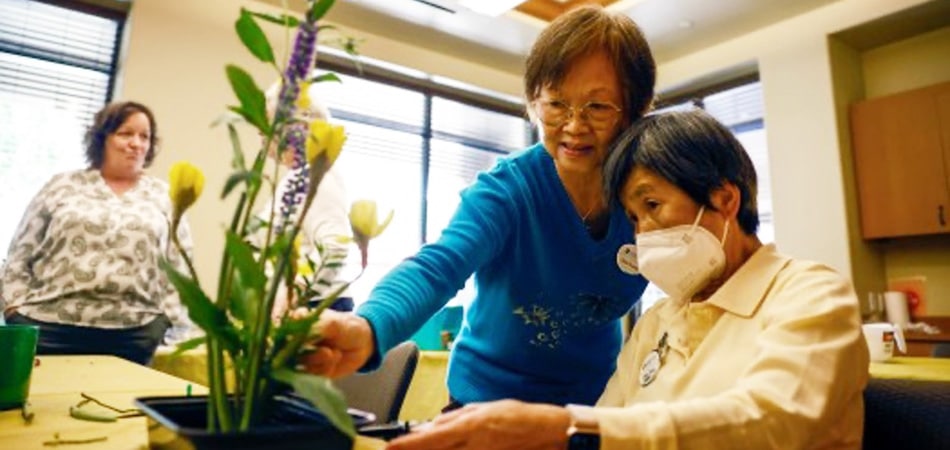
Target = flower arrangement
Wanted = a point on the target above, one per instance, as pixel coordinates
(237, 321)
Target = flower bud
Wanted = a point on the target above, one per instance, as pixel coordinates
(324, 139)
(185, 184)
(365, 224)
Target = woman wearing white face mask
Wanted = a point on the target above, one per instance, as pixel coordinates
(753, 349)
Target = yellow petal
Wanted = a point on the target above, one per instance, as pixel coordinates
(186, 182)
(325, 138)
(303, 99)
(379, 228)
(335, 144)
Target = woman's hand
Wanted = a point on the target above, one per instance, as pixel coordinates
(501, 425)
(346, 343)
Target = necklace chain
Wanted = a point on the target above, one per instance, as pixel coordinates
(586, 215)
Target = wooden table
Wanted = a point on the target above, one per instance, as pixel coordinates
(913, 368)
(56, 385)
(426, 397)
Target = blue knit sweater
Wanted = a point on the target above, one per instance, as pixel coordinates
(544, 325)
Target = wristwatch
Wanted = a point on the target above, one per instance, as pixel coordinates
(584, 431)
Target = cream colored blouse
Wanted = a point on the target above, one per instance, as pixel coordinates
(774, 359)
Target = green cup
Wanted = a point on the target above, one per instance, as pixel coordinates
(17, 352)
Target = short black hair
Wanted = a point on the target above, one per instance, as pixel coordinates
(690, 149)
(107, 121)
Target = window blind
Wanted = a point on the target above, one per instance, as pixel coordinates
(56, 67)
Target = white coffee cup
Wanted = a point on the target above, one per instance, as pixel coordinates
(895, 307)
(880, 339)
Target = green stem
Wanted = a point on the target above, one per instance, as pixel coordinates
(251, 196)
(219, 394)
(218, 412)
(257, 342)
(184, 256)
(291, 348)
(262, 326)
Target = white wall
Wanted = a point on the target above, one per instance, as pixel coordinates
(808, 190)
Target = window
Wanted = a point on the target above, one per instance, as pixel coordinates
(413, 144)
(56, 70)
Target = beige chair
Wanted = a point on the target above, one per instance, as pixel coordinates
(383, 390)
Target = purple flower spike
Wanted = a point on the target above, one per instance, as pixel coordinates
(301, 59)
(295, 193)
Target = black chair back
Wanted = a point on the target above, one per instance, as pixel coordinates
(383, 390)
(906, 414)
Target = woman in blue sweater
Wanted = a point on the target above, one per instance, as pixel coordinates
(537, 233)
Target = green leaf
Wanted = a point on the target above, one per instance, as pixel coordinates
(324, 396)
(279, 246)
(255, 224)
(190, 344)
(237, 157)
(248, 176)
(291, 326)
(350, 45)
(253, 37)
(329, 76)
(253, 105)
(318, 9)
(249, 279)
(201, 310)
(283, 19)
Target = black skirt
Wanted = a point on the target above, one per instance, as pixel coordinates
(136, 344)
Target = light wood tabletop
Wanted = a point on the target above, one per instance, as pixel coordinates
(56, 385)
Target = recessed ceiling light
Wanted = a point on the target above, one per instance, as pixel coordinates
(685, 24)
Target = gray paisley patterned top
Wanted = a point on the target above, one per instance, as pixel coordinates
(83, 255)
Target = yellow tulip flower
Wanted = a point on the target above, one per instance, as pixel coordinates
(324, 139)
(365, 224)
(185, 185)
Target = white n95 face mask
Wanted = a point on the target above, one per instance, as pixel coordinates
(680, 260)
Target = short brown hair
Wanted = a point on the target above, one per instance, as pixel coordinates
(588, 28)
(107, 121)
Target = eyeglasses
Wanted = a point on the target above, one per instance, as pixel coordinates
(556, 113)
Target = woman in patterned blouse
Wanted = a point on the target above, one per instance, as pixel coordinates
(83, 264)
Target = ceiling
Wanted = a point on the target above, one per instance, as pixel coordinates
(673, 27)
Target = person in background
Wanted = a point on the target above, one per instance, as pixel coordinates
(327, 219)
(752, 348)
(84, 263)
(536, 231)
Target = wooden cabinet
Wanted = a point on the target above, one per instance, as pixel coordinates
(901, 146)
(920, 344)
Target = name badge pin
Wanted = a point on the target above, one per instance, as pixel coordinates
(652, 363)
